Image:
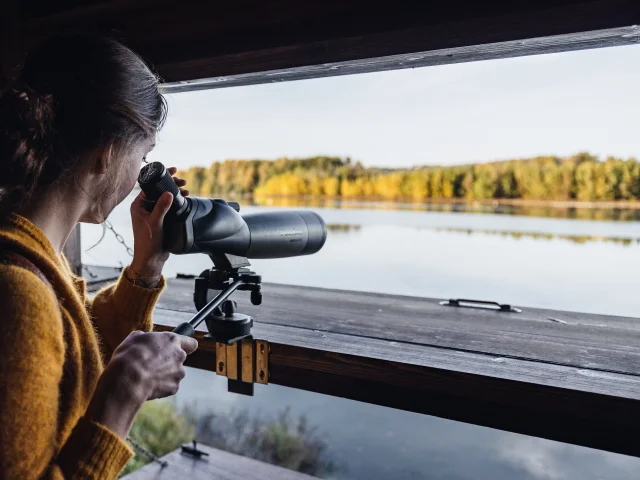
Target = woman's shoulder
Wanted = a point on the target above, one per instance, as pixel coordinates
(23, 293)
(31, 327)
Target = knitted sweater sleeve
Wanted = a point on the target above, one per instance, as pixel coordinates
(121, 308)
(32, 353)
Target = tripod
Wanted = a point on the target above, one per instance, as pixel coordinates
(226, 326)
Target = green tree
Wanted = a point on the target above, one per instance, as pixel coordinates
(160, 429)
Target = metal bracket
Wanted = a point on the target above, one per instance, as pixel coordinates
(244, 362)
(483, 304)
(193, 451)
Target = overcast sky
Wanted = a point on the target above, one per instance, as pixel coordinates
(551, 104)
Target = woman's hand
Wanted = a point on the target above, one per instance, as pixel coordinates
(143, 367)
(148, 254)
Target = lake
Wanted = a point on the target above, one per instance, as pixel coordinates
(582, 261)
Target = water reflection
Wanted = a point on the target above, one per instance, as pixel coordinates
(247, 432)
(579, 239)
(343, 228)
(354, 440)
(547, 211)
(517, 235)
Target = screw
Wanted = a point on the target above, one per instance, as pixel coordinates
(221, 366)
(261, 374)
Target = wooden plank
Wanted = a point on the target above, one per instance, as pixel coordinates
(262, 362)
(424, 58)
(221, 359)
(232, 362)
(194, 40)
(218, 465)
(595, 342)
(579, 406)
(98, 276)
(246, 347)
(73, 250)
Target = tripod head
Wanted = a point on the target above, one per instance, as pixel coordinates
(225, 324)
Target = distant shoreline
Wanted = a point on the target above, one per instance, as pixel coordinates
(494, 202)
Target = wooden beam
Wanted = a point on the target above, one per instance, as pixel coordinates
(193, 40)
(577, 406)
(218, 465)
(605, 343)
(490, 51)
(73, 250)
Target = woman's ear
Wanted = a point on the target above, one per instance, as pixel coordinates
(104, 159)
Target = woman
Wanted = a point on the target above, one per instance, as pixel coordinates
(74, 371)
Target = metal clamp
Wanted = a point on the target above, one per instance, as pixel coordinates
(460, 302)
(244, 363)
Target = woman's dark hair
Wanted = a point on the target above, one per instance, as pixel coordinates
(73, 95)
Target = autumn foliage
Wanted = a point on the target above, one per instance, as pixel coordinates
(582, 177)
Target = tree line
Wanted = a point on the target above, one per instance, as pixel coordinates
(582, 177)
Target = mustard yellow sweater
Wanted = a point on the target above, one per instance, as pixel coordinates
(53, 348)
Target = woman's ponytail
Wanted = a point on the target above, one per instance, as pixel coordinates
(27, 137)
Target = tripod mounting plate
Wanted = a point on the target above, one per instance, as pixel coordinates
(224, 323)
(229, 329)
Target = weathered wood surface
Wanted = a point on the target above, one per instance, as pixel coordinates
(410, 354)
(577, 340)
(382, 349)
(473, 53)
(218, 465)
(193, 40)
(579, 406)
(73, 250)
(98, 276)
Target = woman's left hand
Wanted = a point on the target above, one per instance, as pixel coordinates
(148, 253)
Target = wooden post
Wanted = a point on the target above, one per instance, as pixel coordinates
(73, 251)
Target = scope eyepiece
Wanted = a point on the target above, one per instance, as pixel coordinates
(155, 179)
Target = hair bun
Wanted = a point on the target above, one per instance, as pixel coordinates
(36, 111)
(27, 138)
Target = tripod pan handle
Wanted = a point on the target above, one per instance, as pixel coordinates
(185, 329)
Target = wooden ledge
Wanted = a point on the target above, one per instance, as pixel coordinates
(581, 406)
(217, 465)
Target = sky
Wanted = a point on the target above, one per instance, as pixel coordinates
(453, 114)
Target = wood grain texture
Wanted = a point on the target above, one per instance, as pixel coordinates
(586, 341)
(247, 354)
(98, 276)
(415, 59)
(194, 40)
(232, 362)
(579, 406)
(218, 465)
(73, 250)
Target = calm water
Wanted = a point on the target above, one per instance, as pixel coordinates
(570, 264)
(563, 263)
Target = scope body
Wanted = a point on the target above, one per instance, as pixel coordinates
(214, 226)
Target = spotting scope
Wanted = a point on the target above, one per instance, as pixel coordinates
(214, 226)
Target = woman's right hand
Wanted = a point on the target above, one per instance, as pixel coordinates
(150, 364)
(143, 367)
